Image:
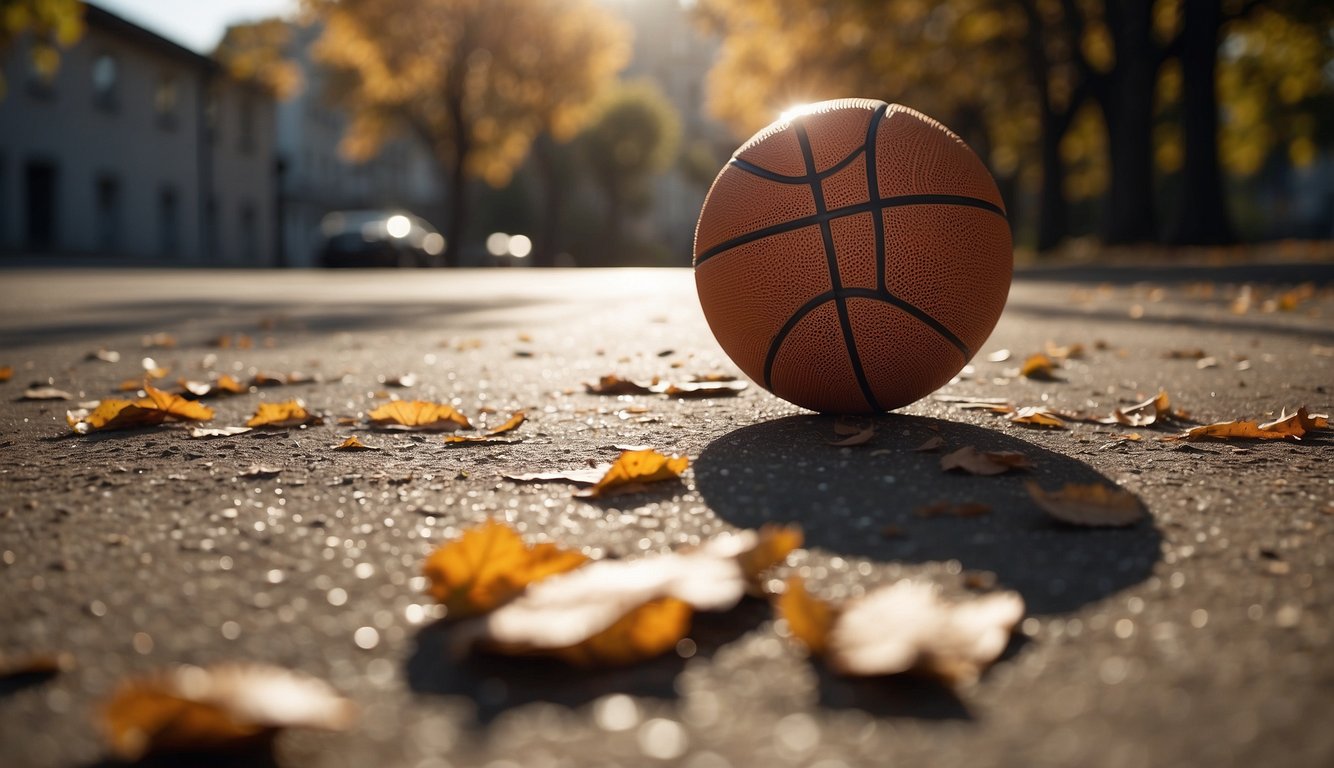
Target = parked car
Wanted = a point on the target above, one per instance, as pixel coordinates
(377, 239)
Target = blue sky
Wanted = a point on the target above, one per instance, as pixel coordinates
(195, 24)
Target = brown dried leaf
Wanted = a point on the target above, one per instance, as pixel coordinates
(1069, 352)
(1093, 504)
(933, 443)
(701, 389)
(39, 663)
(192, 709)
(976, 462)
(198, 432)
(1193, 353)
(489, 565)
(1286, 427)
(418, 415)
(633, 469)
(952, 509)
(611, 384)
(291, 413)
(511, 424)
(860, 437)
(1147, 413)
(353, 444)
(6, 373)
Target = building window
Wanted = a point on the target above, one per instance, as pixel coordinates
(105, 75)
(169, 222)
(40, 180)
(166, 100)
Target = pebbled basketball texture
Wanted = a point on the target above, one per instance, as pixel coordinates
(852, 258)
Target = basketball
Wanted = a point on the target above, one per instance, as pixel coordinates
(852, 257)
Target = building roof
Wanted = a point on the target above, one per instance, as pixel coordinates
(100, 18)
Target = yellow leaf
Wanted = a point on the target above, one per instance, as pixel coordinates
(773, 544)
(488, 566)
(229, 384)
(1038, 366)
(976, 462)
(175, 405)
(634, 469)
(808, 618)
(353, 444)
(194, 709)
(278, 415)
(6, 373)
(418, 415)
(1286, 427)
(115, 414)
(1093, 504)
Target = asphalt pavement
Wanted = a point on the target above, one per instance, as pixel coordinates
(1202, 636)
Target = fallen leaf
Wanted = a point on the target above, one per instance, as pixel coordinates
(952, 509)
(971, 399)
(1070, 352)
(701, 389)
(764, 549)
(236, 341)
(1142, 414)
(999, 356)
(612, 384)
(1286, 427)
(903, 627)
(588, 476)
(257, 470)
(39, 663)
(1036, 416)
(1039, 367)
(489, 565)
(174, 405)
(933, 443)
(634, 469)
(1206, 362)
(46, 393)
(612, 612)
(6, 373)
(199, 432)
(1092, 504)
(222, 385)
(155, 409)
(509, 426)
(231, 385)
(1193, 353)
(194, 709)
(353, 444)
(291, 413)
(860, 437)
(158, 341)
(105, 355)
(418, 415)
(404, 381)
(976, 462)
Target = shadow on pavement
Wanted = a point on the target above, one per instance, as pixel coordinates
(499, 683)
(845, 499)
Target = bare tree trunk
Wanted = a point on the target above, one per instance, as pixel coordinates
(1128, 109)
(1201, 213)
(548, 242)
(1053, 212)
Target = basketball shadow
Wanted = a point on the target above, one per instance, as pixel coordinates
(496, 684)
(846, 499)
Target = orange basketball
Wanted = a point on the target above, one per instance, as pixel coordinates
(853, 258)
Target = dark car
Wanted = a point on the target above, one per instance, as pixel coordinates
(377, 239)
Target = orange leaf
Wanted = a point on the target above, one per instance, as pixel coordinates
(611, 384)
(230, 384)
(1142, 414)
(115, 414)
(512, 424)
(1038, 366)
(1286, 427)
(808, 618)
(1092, 504)
(6, 373)
(773, 543)
(488, 566)
(291, 413)
(418, 415)
(976, 462)
(175, 405)
(353, 444)
(39, 663)
(650, 630)
(194, 709)
(635, 468)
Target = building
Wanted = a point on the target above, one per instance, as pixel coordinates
(136, 151)
(317, 180)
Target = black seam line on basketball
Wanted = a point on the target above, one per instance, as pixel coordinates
(873, 193)
(857, 293)
(765, 173)
(831, 257)
(850, 210)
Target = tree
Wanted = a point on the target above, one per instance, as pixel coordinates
(634, 134)
(476, 80)
(52, 24)
(257, 53)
